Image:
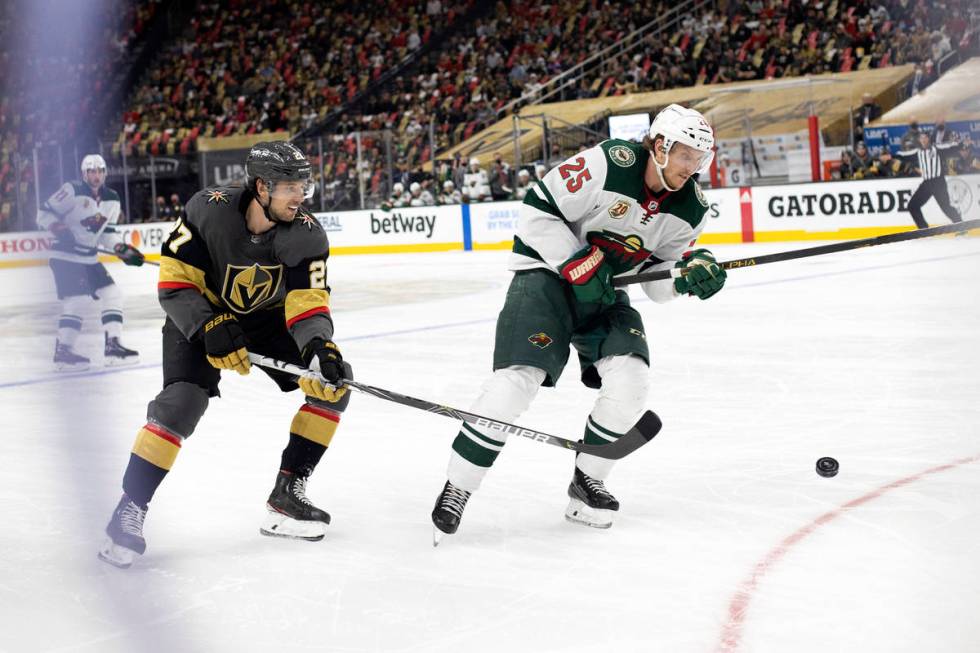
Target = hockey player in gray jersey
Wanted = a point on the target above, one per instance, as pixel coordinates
(244, 271)
(616, 208)
(80, 216)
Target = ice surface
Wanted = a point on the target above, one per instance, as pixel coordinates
(727, 539)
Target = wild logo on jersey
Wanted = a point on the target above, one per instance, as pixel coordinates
(622, 252)
(246, 288)
(94, 222)
(540, 339)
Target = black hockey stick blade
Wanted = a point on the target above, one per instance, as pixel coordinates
(112, 253)
(844, 246)
(642, 432)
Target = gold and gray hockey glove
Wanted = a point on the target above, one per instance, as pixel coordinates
(323, 357)
(224, 342)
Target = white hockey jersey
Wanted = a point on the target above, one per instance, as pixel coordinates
(476, 186)
(599, 197)
(88, 216)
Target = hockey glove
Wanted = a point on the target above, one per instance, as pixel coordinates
(224, 342)
(703, 277)
(62, 234)
(323, 357)
(129, 254)
(590, 276)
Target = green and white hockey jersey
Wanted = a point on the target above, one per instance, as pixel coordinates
(599, 197)
(87, 215)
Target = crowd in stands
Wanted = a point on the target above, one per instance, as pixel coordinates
(464, 182)
(250, 66)
(52, 92)
(511, 54)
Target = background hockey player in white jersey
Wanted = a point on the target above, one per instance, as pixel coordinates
(419, 196)
(449, 194)
(398, 198)
(80, 216)
(476, 183)
(616, 208)
(523, 184)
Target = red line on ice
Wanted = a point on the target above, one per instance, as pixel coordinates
(731, 633)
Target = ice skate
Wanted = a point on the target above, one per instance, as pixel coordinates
(590, 502)
(291, 514)
(448, 511)
(116, 354)
(125, 534)
(66, 360)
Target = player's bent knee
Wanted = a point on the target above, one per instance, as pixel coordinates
(511, 390)
(625, 386)
(338, 406)
(179, 407)
(75, 305)
(109, 294)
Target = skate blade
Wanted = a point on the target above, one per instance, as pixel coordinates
(437, 536)
(71, 367)
(279, 525)
(580, 513)
(115, 361)
(116, 555)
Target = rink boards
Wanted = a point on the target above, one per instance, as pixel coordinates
(822, 211)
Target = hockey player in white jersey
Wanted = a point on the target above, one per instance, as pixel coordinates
(613, 209)
(419, 196)
(80, 216)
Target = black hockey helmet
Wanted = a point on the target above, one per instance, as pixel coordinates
(274, 161)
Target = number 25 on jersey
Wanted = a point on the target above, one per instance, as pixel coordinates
(568, 171)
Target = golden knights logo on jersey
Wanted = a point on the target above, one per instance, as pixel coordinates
(246, 288)
(622, 252)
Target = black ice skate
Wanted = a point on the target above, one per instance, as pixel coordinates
(125, 534)
(116, 354)
(448, 511)
(591, 503)
(291, 514)
(66, 360)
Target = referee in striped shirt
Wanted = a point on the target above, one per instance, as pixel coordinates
(930, 161)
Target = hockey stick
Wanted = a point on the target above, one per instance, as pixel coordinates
(112, 253)
(956, 227)
(641, 433)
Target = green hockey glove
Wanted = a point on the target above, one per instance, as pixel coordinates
(590, 276)
(129, 254)
(703, 276)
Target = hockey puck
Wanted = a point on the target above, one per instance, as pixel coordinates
(827, 467)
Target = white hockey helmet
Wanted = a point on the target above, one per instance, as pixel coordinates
(448, 185)
(398, 188)
(475, 162)
(415, 187)
(93, 162)
(678, 124)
